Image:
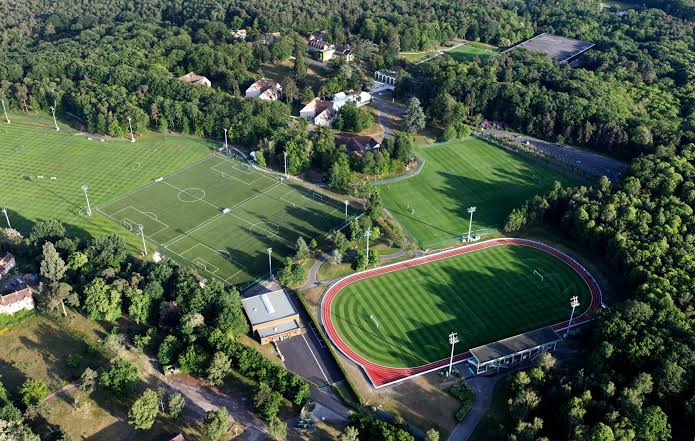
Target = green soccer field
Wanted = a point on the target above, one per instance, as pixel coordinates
(42, 171)
(457, 175)
(485, 296)
(469, 51)
(221, 215)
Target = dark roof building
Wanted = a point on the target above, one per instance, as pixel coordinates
(510, 351)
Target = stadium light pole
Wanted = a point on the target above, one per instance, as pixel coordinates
(368, 234)
(471, 210)
(574, 302)
(7, 118)
(270, 263)
(285, 155)
(89, 208)
(7, 218)
(453, 339)
(226, 146)
(53, 110)
(346, 208)
(132, 137)
(142, 234)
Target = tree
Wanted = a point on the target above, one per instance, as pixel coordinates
(120, 378)
(301, 248)
(107, 251)
(653, 425)
(336, 256)
(220, 366)
(215, 424)
(33, 391)
(361, 261)
(144, 410)
(353, 118)
(52, 266)
(403, 148)
(290, 91)
(88, 380)
(16, 431)
(277, 429)
(101, 301)
(340, 175)
(266, 401)
(48, 230)
(169, 350)
(350, 434)
(176, 405)
(432, 435)
(374, 204)
(414, 119)
(299, 64)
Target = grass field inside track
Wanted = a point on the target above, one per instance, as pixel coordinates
(485, 296)
(42, 170)
(460, 174)
(184, 214)
(469, 51)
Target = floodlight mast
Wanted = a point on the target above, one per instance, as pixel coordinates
(574, 302)
(55, 122)
(368, 234)
(142, 234)
(471, 210)
(226, 146)
(132, 137)
(4, 211)
(7, 118)
(270, 263)
(285, 155)
(89, 208)
(346, 209)
(453, 339)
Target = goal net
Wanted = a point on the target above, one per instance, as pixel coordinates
(539, 275)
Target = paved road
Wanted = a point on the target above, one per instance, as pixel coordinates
(313, 272)
(482, 387)
(590, 162)
(389, 114)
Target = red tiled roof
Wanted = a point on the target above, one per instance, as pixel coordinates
(15, 297)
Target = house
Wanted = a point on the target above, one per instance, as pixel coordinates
(342, 51)
(16, 301)
(239, 34)
(359, 145)
(272, 316)
(320, 50)
(195, 79)
(6, 265)
(318, 107)
(264, 89)
(342, 98)
(386, 76)
(319, 35)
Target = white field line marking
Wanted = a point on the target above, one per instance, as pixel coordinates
(261, 228)
(315, 359)
(193, 196)
(200, 244)
(197, 227)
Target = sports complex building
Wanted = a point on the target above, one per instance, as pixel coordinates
(272, 316)
(513, 350)
(556, 47)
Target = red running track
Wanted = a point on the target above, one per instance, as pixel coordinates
(383, 375)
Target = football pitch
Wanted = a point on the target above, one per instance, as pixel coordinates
(457, 175)
(220, 216)
(401, 318)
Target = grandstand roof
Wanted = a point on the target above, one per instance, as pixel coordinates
(514, 345)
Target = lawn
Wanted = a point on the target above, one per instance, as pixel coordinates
(402, 318)
(469, 51)
(457, 175)
(220, 215)
(32, 154)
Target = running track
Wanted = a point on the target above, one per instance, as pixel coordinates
(381, 376)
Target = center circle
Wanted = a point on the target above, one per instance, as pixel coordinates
(192, 194)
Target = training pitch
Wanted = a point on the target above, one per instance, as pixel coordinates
(394, 320)
(457, 175)
(221, 215)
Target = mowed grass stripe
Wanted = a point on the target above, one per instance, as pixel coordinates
(485, 296)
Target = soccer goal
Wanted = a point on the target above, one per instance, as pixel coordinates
(317, 195)
(371, 316)
(539, 275)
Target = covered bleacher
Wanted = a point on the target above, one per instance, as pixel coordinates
(506, 353)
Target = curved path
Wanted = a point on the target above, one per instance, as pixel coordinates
(384, 375)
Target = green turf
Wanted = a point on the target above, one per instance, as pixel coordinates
(30, 147)
(183, 214)
(457, 175)
(469, 51)
(485, 296)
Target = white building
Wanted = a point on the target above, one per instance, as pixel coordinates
(16, 301)
(360, 99)
(264, 89)
(319, 112)
(239, 34)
